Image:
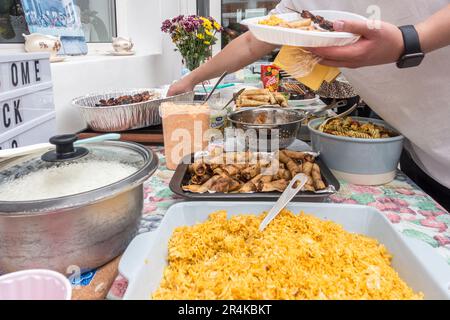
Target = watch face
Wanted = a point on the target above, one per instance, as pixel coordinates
(410, 60)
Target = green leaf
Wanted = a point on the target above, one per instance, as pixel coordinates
(427, 205)
(421, 236)
(164, 193)
(445, 218)
(363, 198)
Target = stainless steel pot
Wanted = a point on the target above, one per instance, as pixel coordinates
(75, 232)
(269, 123)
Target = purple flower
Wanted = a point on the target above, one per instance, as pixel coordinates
(166, 25)
(178, 19)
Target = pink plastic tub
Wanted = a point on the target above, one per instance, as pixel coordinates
(35, 285)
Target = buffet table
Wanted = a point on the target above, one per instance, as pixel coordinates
(412, 211)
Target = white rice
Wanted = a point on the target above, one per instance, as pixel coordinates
(64, 180)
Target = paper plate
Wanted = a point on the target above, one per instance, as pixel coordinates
(301, 38)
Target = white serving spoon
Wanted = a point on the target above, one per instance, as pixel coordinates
(292, 189)
(43, 147)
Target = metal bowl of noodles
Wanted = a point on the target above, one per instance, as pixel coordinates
(273, 128)
(125, 117)
(76, 207)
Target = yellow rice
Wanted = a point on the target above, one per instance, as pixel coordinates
(296, 257)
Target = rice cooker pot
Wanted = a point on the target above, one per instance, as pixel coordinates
(76, 233)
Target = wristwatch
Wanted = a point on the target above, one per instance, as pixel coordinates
(413, 55)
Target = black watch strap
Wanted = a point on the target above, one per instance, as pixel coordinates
(413, 55)
(410, 39)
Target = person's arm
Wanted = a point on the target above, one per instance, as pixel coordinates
(434, 32)
(239, 53)
(385, 44)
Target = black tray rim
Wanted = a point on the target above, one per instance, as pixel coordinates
(181, 170)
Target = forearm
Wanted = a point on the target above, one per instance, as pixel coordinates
(239, 53)
(434, 32)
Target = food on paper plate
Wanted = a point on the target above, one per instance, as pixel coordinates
(128, 99)
(310, 22)
(261, 97)
(248, 172)
(349, 127)
(295, 257)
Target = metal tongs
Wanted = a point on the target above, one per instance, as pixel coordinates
(296, 184)
(215, 86)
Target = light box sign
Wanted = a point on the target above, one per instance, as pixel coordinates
(27, 111)
(20, 74)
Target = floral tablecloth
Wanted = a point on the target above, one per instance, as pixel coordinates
(412, 211)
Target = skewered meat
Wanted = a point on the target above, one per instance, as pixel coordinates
(321, 21)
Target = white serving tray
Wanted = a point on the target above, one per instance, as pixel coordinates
(144, 261)
(302, 38)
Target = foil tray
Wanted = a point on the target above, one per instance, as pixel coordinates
(125, 117)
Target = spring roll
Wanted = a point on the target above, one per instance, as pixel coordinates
(262, 98)
(307, 168)
(245, 102)
(282, 174)
(248, 187)
(231, 170)
(317, 178)
(299, 24)
(308, 187)
(201, 188)
(199, 180)
(250, 172)
(250, 92)
(279, 185)
(296, 155)
(290, 164)
(199, 168)
(272, 99)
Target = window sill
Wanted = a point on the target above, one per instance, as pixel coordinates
(98, 57)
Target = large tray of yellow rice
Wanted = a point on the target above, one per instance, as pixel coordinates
(214, 250)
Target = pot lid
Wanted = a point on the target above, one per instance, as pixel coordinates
(68, 171)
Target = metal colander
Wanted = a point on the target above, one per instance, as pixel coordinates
(124, 117)
(265, 120)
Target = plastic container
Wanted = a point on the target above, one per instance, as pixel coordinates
(358, 161)
(185, 127)
(144, 261)
(35, 285)
(300, 38)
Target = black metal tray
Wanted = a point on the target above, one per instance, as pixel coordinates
(181, 177)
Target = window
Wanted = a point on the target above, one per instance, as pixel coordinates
(98, 18)
(234, 11)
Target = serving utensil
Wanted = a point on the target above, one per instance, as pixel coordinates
(235, 97)
(42, 147)
(296, 184)
(215, 86)
(336, 104)
(341, 115)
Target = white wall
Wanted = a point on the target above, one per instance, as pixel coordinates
(156, 63)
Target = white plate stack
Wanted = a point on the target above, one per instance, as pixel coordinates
(27, 111)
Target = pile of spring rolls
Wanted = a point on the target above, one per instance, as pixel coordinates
(249, 172)
(261, 97)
